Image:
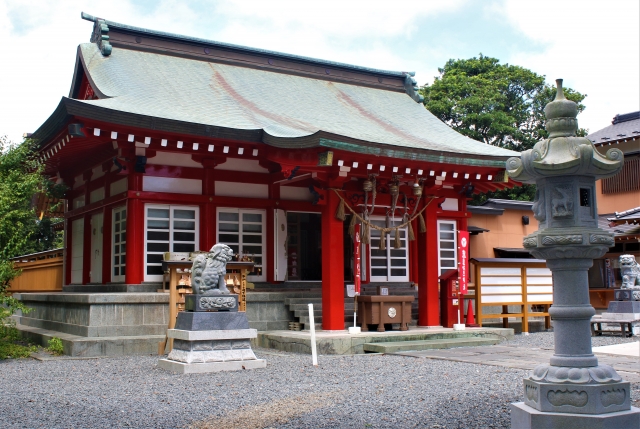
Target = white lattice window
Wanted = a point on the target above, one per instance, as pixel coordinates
(389, 264)
(168, 229)
(119, 243)
(244, 232)
(447, 246)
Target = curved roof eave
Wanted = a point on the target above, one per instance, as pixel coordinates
(69, 108)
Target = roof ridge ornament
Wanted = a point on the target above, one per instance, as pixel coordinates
(411, 87)
(100, 35)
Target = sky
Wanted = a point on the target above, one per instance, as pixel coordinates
(593, 45)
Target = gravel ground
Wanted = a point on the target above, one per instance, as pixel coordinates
(362, 391)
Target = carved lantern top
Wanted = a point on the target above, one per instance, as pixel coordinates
(563, 153)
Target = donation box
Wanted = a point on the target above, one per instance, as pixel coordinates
(449, 298)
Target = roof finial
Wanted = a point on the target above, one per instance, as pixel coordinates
(561, 115)
(560, 92)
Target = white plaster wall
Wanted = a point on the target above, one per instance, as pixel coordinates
(295, 193)
(238, 164)
(77, 241)
(78, 202)
(96, 195)
(173, 159)
(172, 185)
(450, 204)
(118, 187)
(245, 190)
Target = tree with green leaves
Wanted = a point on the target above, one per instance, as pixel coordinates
(498, 104)
(21, 231)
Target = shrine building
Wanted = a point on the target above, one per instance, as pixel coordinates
(170, 143)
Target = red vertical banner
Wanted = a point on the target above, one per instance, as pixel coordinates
(356, 258)
(463, 255)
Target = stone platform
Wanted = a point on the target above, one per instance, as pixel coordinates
(342, 343)
(96, 324)
(525, 417)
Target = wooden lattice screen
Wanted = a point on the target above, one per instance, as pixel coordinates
(627, 180)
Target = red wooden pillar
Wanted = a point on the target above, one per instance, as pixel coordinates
(332, 266)
(462, 226)
(134, 273)
(208, 216)
(428, 297)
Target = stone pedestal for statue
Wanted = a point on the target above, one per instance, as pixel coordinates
(624, 309)
(209, 341)
(573, 390)
(211, 335)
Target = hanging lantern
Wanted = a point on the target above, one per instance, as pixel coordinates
(367, 185)
(417, 190)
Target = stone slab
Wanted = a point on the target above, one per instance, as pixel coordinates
(199, 302)
(403, 346)
(342, 343)
(80, 346)
(211, 321)
(624, 307)
(94, 298)
(231, 334)
(625, 349)
(201, 368)
(617, 316)
(525, 417)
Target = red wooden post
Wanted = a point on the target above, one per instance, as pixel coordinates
(208, 215)
(463, 226)
(428, 299)
(433, 298)
(332, 266)
(134, 273)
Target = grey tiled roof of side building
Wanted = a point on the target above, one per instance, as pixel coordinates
(621, 130)
(288, 108)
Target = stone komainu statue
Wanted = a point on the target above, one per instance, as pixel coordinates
(630, 272)
(208, 270)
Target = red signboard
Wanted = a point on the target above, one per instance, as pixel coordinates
(463, 254)
(356, 258)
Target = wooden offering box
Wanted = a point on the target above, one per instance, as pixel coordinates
(381, 309)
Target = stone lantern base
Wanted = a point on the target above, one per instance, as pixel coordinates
(525, 417)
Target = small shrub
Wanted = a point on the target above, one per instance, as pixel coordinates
(11, 346)
(55, 346)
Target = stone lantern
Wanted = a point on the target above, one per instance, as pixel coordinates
(573, 390)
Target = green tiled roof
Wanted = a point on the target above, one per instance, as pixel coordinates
(292, 111)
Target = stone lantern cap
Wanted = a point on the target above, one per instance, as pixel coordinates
(563, 153)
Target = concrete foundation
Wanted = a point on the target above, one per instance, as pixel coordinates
(525, 417)
(343, 343)
(200, 368)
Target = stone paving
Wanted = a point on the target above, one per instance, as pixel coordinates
(523, 358)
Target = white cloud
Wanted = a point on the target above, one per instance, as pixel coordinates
(593, 46)
(588, 46)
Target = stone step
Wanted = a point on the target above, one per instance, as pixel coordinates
(307, 300)
(318, 312)
(443, 343)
